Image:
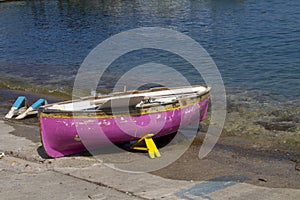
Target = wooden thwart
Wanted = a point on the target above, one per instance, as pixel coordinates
(150, 146)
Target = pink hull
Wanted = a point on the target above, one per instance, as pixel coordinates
(68, 135)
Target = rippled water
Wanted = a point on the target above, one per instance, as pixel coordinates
(255, 44)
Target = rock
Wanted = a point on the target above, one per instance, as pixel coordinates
(286, 116)
(2, 155)
(295, 159)
(279, 113)
(295, 117)
(278, 126)
(238, 106)
(262, 180)
(297, 167)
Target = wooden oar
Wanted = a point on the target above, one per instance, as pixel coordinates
(32, 109)
(20, 103)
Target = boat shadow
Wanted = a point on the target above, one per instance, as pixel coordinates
(116, 149)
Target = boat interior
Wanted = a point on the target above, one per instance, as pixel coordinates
(137, 99)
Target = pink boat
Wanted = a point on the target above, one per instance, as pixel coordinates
(74, 126)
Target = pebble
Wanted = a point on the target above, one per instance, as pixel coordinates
(2, 155)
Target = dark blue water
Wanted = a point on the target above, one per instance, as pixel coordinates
(255, 44)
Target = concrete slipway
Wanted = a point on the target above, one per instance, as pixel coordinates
(24, 174)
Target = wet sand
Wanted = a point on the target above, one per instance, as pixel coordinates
(237, 157)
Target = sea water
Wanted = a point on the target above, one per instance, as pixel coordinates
(255, 44)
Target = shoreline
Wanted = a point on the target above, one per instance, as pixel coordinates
(269, 123)
(251, 151)
(8, 96)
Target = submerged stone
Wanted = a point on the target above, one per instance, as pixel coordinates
(295, 117)
(278, 126)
